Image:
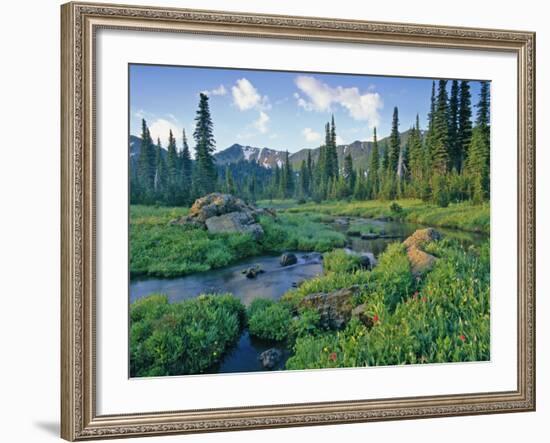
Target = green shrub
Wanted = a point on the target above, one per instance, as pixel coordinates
(339, 260)
(182, 338)
(306, 323)
(269, 320)
(396, 208)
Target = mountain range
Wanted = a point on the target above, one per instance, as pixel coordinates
(268, 158)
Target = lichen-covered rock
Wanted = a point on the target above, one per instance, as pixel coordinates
(420, 237)
(419, 259)
(334, 308)
(242, 222)
(224, 213)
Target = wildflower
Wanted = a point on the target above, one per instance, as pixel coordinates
(462, 337)
(325, 349)
(375, 319)
(332, 356)
(415, 295)
(214, 353)
(424, 299)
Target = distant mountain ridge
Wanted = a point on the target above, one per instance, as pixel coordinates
(268, 158)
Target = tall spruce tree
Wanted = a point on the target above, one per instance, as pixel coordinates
(395, 144)
(464, 134)
(304, 180)
(146, 165)
(454, 141)
(440, 148)
(373, 174)
(173, 180)
(477, 165)
(416, 157)
(161, 176)
(483, 117)
(288, 174)
(349, 173)
(186, 172)
(205, 146)
(333, 153)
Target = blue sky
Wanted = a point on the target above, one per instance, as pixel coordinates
(279, 110)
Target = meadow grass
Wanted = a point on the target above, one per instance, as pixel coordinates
(160, 249)
(464, 215)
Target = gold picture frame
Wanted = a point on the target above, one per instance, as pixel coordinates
(79, 22)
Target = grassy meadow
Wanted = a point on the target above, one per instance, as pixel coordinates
(440, 316)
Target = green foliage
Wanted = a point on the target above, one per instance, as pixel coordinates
(339, 260)
(182, 338)
(463, 215)
(396, 208)
(301, 232)
(160, 249)
(269, 320)
(306, 323)
(440, 193)
(446, 319)
(391, 280)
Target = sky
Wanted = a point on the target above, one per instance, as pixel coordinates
(275, 109)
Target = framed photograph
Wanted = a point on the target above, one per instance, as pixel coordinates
(283, 221)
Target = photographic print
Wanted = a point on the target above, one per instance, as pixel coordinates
(297, 221)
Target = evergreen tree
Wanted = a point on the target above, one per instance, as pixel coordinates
(440, 147)
(229, 182)
(416, 157)
(309, 167)
(483, 109)
(160, 181)
(395, 144)
(304, 179)
(483, 121)
(146, 165)
(374, 169)
(173, 182)
(464, 134)
(454, 141)
(477, 165)
(332, 152)
(205, 145)
(185, 167)
(349, 174)
(288, 178)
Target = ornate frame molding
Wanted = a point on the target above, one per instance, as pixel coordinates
(79, 420)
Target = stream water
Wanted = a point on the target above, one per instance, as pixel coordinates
(273, 282)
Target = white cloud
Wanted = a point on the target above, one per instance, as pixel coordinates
(340, 140)
(310, 135)
(220, 90)
(261, 123)
(246, 96)
(160, 128)
(320, 97)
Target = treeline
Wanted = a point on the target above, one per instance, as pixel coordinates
(175, 179)
(447, 162)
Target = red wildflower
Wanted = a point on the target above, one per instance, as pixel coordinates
(375, 319)
(462, 337)
(415, 295)
(332, 356)
(424, 299)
